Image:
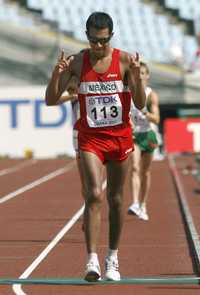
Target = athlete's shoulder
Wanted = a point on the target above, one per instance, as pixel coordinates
(124, 56)
(82, 51)
(77, 61)
(78, 56)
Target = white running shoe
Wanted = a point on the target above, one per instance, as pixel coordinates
(92, 272)
(112, 269)
(143, 213)
(134, 209)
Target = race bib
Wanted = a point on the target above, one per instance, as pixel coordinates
(141, 123)
(105, 110)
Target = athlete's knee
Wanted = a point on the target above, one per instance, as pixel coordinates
(145, 172)
(93, 196)
(134, 170)
(115, 201)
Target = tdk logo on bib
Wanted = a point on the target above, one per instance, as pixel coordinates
(102, 100)
(103, 110)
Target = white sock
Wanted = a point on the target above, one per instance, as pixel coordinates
(92, 256)
(112, 253)
(136, 203)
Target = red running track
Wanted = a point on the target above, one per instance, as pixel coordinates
(31, 218)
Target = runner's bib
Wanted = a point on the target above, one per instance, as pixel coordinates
(104, 110)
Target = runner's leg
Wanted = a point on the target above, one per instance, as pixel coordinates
(135, 174)
(146, 160)
(91, 171)
(116, 173)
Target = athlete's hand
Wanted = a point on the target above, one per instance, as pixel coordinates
(134, 65)
(63, 63)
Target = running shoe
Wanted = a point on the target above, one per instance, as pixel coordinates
(112, 269)
(143, 213)
(92, 272)
(134, 209)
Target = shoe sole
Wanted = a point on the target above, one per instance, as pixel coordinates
(144, 219)
(108, 278)
(130, 212)
(92, 276)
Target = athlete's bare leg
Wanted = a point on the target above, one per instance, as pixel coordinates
(116, 173)
(145, 178)
(80, 175)
(91, 171)
(135, 158)
(82, 182)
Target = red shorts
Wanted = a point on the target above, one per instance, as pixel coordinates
(106, 147)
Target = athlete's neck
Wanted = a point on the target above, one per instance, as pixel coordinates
(96, 57)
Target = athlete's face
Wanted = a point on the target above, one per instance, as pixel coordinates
(144, 75)
(99, 41)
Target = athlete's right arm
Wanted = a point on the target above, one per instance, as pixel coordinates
(61, 75)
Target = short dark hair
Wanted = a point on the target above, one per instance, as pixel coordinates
(99, 21)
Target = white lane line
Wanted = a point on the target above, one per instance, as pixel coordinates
(18, 167)
(36, 182)
(194, 235)
(17, 287)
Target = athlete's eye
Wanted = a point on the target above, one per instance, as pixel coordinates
(96, 40)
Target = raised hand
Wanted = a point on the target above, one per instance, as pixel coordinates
(134, 65)
(63, 63)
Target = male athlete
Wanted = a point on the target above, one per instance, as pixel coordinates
(108, 77)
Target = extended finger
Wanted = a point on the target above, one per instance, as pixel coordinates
(132, 59)
(62, 55)
(137, 57)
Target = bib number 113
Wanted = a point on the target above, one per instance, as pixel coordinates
(105, 112)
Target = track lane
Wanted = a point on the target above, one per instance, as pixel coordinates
(10, 183)
(11, 163)
(29, 223)
(155, 248)
(158, 247)
(16, 167)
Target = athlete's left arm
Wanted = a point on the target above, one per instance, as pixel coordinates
(135, 82)
(154, 114)
(130, 69)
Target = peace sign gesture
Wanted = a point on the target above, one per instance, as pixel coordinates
(63, 63)
(134, 65)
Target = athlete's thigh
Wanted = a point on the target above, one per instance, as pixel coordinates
(91, 170)
(116, 173)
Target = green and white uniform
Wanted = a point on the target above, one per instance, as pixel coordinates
(144, 131)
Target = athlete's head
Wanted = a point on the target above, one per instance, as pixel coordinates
(99, 31)
(144, 72)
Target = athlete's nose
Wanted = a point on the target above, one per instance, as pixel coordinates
(99, 45)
